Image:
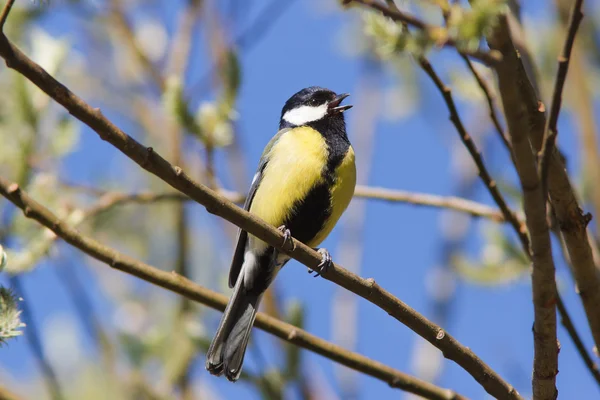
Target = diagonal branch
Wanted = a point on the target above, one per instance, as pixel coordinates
(490, 102)
(568, 325)
(151, 161)
(5, 12)
(467, 140)
(181, 285)
(489, 58)
(550, 131)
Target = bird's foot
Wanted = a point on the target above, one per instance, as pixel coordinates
(287, 236)
(324, 265)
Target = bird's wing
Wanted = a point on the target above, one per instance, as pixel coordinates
(240, 248)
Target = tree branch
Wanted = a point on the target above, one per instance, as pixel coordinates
(580, 90)
(550, 131)
(467, 140)
(568, 324)
(181, 285)
(109, 200)
(545, 363)
(517, 91)
(151, 161)
(5, 12)
(431, 200)
(489, 58)
(490, 102)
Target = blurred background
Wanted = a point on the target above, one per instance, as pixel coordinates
(203, 83)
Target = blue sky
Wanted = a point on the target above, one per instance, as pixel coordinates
(401, 243)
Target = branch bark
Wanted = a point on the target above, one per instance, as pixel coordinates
(545, 364)
(183, 286)
(151, 161)
(517, 91)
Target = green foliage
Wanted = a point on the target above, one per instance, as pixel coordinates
(176, 105)
(65, 137)
(10, 315)
(388, 38)
(217, 118)
(212, 122)
(231, 77)
(501, 261)
(468, 25)
(3, 258)
(465, 26)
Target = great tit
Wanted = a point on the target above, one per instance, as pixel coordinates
(304, 182)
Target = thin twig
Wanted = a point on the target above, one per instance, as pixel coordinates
(490, 101)
(109, 200)
(151, 161)
(582, 98)
(467, 140)
(5, 12)
(489, 58)
(431, 200)
(179, 284)
(550, 131)
(568, 324)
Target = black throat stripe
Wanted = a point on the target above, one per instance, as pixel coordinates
(310, 214)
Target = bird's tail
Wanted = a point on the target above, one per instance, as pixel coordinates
(226, 352)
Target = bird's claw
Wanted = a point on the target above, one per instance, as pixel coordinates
(324, 265)
(287, 236)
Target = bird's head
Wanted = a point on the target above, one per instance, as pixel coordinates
(311, 105)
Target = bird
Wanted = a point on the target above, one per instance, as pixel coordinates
(304, 182)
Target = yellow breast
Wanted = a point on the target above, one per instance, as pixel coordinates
(295, 166)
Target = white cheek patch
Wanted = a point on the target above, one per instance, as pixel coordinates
(304, 114)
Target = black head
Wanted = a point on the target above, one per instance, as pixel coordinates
(313, 105)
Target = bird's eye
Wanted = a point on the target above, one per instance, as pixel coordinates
(314, 102)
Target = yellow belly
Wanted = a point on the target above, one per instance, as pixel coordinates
(295, 166)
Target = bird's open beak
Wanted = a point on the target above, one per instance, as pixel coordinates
(334, 105)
